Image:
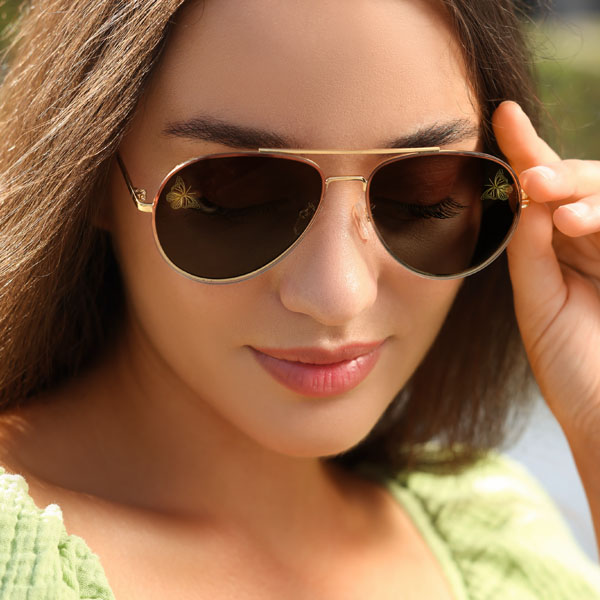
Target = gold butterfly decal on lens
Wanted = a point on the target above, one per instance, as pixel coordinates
(181, 196)
(498, 188)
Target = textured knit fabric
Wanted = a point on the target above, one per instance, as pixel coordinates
(38, 560)
(495, 533)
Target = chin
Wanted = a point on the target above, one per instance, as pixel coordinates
(320, 438)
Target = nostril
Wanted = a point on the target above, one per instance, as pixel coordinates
(359, 214)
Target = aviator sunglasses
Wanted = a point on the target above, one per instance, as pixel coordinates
(223, 218)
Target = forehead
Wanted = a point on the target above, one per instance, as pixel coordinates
(326, 72)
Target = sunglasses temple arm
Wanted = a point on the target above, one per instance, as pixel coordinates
(138, 195)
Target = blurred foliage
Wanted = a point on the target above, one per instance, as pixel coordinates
(8, 11)
(567, 63)
(568, 69)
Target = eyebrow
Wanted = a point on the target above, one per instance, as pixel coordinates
(438, 134)
(210, 129)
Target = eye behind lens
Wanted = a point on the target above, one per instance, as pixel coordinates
(226, 217)
(444, 214)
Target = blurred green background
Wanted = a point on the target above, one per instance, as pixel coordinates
(566, 47)
(567, 62)
(8, 9)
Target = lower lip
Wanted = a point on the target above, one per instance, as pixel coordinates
(319, 381)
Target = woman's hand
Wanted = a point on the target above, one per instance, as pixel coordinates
(554, 260)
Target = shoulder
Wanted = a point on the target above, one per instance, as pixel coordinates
(37, 556)
(500, 530)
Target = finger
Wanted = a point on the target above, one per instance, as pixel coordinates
(564, 181)
(538, 284)
(518, 139)
(579, 218)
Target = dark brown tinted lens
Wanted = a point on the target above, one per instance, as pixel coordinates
(443, 214)
(224, 217)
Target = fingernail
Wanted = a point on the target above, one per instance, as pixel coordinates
(546, 172)
(581, 211)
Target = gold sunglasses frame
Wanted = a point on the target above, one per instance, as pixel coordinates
(140, 199)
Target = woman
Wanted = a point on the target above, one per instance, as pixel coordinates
(182, 405)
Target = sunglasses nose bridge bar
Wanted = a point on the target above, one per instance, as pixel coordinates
(347, 178)
(359, 214)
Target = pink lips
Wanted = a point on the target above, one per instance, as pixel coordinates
(319, 373)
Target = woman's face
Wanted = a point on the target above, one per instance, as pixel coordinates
(305, 357)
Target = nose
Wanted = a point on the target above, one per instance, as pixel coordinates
(332, 274)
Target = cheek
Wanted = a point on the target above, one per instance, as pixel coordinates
(175, 313)
(435, 300)
(431, 308)
(418, 307)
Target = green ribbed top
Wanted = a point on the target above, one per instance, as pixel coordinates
(494, 531)
(38, 559)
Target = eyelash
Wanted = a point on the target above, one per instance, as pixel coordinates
(445, 209)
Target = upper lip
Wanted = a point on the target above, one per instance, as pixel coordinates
(319, 355)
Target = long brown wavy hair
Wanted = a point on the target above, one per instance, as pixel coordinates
(77, 69)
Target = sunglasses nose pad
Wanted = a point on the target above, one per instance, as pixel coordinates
(361, 219)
